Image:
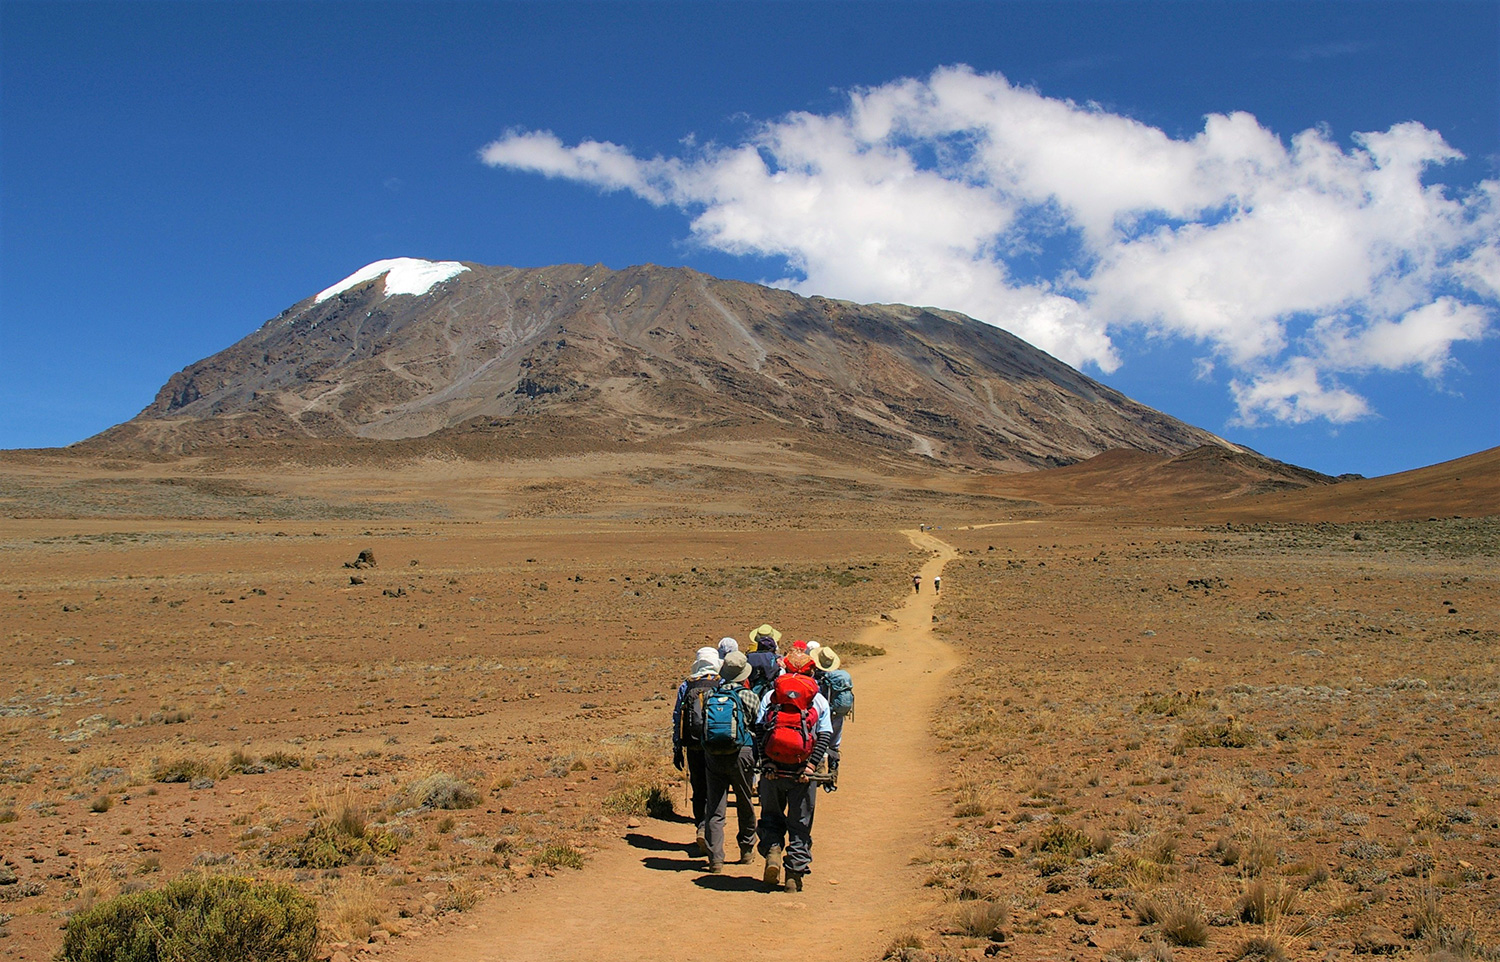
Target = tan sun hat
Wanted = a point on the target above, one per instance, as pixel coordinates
(825, 658)
(765, 631)
(736, 667)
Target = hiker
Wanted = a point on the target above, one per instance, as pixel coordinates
(916, 584)
(937, 584)
(796, 732)
(729, 750)
(837, 689)
(764, 666)
(687, 731)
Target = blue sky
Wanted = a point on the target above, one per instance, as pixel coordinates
(172, 175)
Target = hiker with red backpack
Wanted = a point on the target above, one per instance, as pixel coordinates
(687, 732)
(796, 733)
(729, 715)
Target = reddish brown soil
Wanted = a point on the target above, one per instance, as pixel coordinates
(527, 621)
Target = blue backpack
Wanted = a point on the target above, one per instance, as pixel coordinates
(838, 688)
(726, 725)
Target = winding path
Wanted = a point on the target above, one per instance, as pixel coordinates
(644, 898)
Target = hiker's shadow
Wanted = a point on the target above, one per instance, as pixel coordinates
(730, 883)
(660, 864)
(652, 844)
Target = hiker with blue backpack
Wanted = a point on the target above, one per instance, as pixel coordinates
(838, 690)
(796, 732)
(729, 714)
(687, 732)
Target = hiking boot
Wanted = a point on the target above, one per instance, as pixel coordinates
(747, 854)
(773, 867)
(702, 842)
(715, 866)
(793, 881)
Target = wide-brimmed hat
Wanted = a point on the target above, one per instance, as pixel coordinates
(826, 659)
(726, 645)
(765, 631)
(736, 667)
(706, 662)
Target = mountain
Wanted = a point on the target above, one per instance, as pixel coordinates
(409, 349)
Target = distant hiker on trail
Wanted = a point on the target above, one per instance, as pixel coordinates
(937, 584)
(764, 666)
(729, 747)
(726, 645)
(797, 731)
(916, 584)
(687, 731)
(837, 689)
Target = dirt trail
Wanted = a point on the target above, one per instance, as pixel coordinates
(645, 897)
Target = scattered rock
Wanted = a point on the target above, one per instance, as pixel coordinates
(394, 592)
(1378, 940)
(366, 559)
(356, 580)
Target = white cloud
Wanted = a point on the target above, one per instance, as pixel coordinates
(1295, 394)
(1292, 262)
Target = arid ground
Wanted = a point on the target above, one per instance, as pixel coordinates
(1140, 721)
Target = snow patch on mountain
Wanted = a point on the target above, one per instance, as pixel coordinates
(403, 275)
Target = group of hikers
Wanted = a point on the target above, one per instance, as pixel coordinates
(761, 723)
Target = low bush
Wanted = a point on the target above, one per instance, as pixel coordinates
(438, 790)
(1260, 948)
(981, 919)
(560, 855)
(339, 839)
(641, 799)
(1231, 733)
(184, 769)
(197, 919)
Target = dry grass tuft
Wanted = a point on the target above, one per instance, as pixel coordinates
(1264, 901)
(981, 919)
(351, 910)
(438, 790)
(1181, 919)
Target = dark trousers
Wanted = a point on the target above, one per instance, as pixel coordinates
(697, 767)
(724, 773)
(786, 818)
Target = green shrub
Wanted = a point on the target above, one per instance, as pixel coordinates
(344, 838)
(561, 855)
(197, 918)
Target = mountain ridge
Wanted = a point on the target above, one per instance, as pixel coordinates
(642, 353)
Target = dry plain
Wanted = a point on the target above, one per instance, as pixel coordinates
(1132, 726)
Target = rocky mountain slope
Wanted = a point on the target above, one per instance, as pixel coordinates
(414, 349)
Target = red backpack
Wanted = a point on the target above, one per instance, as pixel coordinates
(792, 720)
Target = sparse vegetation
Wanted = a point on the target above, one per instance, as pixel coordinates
(981, 918)
(197, 918)
(650, 800)
(559, 855)
(438, 790)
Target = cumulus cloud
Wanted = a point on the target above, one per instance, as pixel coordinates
(1294, 263)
